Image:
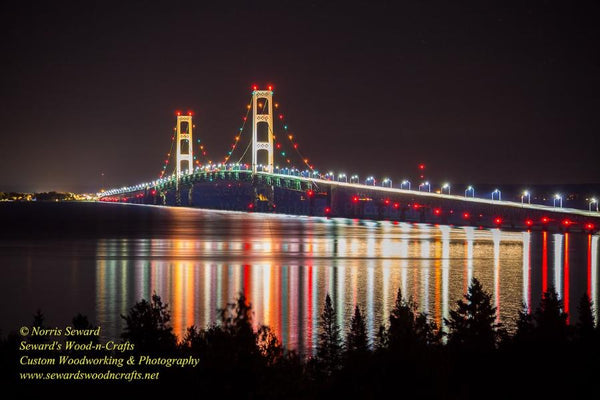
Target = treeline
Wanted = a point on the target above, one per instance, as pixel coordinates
(41, 196)
(410, 357)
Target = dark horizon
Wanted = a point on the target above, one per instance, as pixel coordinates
(479, 93)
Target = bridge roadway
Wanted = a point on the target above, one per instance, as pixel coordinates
(238, 189)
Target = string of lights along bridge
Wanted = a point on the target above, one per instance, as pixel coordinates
(264, 170)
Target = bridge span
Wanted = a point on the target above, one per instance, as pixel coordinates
(261, 186)
(240, 189)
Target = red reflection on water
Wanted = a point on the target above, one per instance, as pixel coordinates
(309, 308)
(545, 262)
(566, 276)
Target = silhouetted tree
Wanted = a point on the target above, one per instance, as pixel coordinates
(525, 327)
(38, 321)
(148, 326)
(472, 325)
(81, 322)
(585, 322)
(330, 342)
(382, 339)
(357, 340)
(269, 345)
(408, 327)
(550, 319)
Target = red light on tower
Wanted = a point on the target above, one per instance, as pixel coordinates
(190, 113)
(270, 88)
(422, 171)
(355, 199)
(437, 211)
(567, 222)
(589, 226)
(178, 113)
(387, 202)
(254, 87)
(498, 221)
(545, 220)
(416, 206)
(396, 205)
(310, 193)
(327, 210)
(250, 206)
(466, 215)
(528, 222)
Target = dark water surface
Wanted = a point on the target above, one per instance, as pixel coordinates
(99, 259)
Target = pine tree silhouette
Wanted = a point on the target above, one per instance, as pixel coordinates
(357, 341)
(550, 319)
(81, 322)
(148, 326)
(330, 343)
(585, 323)
(472, 325)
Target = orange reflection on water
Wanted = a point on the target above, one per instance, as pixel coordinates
(285, 278)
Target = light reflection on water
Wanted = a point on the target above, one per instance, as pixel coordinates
(286, 277)
(198, 261)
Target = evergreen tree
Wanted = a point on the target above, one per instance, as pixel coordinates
(357, 341)
(382, 342)
(472, 325)
(148, 326)
(330, 342)
(525, 327)
(409, 328)
(585, 323)
(550, 319)
(80, 322)
(38, 321)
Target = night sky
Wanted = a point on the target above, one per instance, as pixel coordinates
(481, 92)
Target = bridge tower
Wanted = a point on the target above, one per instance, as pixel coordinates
(262, 126)
(184, 144)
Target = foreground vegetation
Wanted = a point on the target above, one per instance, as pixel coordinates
(411, 356)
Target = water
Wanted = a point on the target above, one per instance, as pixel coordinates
(99, 259)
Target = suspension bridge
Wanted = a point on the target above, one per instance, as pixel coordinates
(259, 185)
